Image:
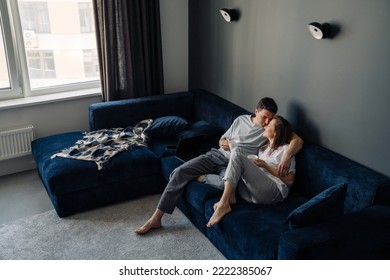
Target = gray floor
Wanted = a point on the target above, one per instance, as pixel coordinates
(22, 195)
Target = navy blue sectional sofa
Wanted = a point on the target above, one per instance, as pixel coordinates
(337, 208)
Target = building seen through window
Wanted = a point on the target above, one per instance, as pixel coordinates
(59, 45)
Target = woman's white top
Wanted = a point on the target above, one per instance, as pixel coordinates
(274, 159)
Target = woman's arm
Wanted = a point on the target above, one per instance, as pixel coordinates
(287, 179)
(294, 147)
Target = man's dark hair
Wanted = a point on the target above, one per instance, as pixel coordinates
(269, 104)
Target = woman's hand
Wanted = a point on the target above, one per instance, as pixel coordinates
(288, 179)
(260, 163)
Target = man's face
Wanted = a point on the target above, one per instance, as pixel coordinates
(263, 117)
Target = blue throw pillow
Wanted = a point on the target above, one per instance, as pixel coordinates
(326, 205)
(200, 128)
(166, 127)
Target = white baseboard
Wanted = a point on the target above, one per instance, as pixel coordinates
(16, 165)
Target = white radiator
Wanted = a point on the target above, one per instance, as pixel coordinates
(16, 141)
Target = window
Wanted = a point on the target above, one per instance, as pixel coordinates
(4, 76)
(34, 16)
(86, 17)
(41, 65)
(47, 46)
(9, 72)
(91, 67)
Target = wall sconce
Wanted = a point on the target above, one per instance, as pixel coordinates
(325, 30)
(229, 14)
(318, 30)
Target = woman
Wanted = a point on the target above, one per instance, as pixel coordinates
(257, 180)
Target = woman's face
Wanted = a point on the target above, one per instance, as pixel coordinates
(269, 130)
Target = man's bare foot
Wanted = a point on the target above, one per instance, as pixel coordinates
(232, 201)
(200, 178)
(150, 224)
(220, 210)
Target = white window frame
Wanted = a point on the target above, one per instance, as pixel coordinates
(11, 54)
(18, 64)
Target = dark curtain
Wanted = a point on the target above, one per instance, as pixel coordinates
(129, 48)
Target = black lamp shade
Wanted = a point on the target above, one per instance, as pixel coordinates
(318, 30)
(229, 14)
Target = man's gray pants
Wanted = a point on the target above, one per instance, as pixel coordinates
(210, 163)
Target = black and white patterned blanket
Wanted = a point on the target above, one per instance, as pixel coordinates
(101, 145)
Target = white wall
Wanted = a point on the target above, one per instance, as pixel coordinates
(47, 119)
(72, 115)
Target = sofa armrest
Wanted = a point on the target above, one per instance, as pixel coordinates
(364, 234)
(127, 112)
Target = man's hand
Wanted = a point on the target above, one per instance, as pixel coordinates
(224, 144)
(284, 165)
(294, 147)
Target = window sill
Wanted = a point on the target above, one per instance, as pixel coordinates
(48, 98)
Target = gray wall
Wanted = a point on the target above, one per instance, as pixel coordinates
(174, 30)
(335, 92)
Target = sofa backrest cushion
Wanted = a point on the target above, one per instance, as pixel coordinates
(215, 110)
(318, 168)
(127, 112)
(167, 127)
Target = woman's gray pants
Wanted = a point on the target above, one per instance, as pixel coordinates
(251, 182)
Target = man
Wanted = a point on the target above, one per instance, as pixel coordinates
(245, 132)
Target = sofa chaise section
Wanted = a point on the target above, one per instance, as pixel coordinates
(77, 185)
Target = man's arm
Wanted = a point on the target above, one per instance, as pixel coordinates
(223, 141)
(294, 147)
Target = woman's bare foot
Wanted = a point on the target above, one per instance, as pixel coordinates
(220, 210)
(233, 199)
(150, 224)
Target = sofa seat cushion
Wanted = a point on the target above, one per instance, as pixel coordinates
(63, 175)
(251, 231)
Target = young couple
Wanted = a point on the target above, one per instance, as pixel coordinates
(264, 180)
